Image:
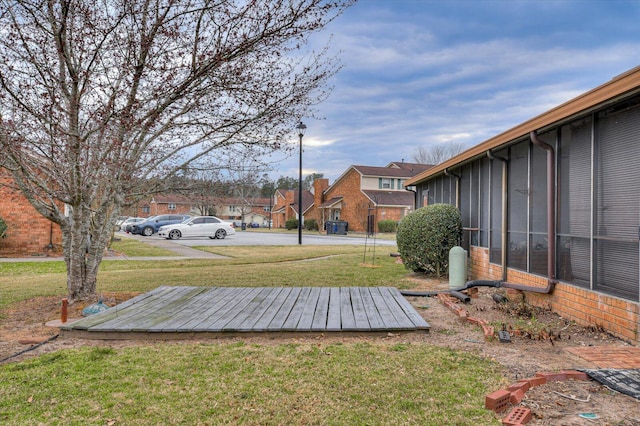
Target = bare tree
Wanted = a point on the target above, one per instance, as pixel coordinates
(436, 154)
(243, 184)
(99, 96)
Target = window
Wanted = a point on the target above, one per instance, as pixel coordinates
(232, 208)
(172, 206)
(266, 209)
(146, 209)
(385, 183)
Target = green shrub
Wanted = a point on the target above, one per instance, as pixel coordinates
(387, 225)
(3, 228)
(310, 224)
(291, 224)
(425, 237)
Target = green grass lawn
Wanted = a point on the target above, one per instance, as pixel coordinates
(355, 381)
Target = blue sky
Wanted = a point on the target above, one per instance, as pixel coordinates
(424, 72)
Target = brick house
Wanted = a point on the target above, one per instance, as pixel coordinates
(553, 206)
(285, 206)
(28, 232)
(251, 210)
(163, 204)
(364, 195)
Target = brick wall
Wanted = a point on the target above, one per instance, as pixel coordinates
(29, 232)
(162, 208)
(617, 316)
(319, 186)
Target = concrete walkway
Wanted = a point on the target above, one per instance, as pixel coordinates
(181, 252)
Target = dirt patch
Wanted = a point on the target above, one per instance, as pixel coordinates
(538, 340)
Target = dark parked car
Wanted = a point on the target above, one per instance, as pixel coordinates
(152, 224)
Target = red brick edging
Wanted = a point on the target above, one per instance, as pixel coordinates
(450, 303)
(500, 400)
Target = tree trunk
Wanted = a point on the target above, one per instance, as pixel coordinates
(84, 245)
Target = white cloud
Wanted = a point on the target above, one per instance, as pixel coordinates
(419, 73)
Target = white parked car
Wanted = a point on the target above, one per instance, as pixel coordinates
(122, 226)
(199, 226)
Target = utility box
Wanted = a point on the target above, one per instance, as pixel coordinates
(457, 267)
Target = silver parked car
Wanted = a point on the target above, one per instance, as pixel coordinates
(122, 226)
(199, 226)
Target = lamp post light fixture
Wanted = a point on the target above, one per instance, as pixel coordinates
(301, 129)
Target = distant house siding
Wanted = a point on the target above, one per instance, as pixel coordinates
(354, 205)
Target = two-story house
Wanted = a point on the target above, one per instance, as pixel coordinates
(364, 195)
(285, 206)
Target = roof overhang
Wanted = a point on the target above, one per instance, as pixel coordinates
(624, 85)
(332, 203)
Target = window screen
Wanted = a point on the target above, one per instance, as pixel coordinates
(617, 209)
(484, 195)
(574, 203)
(496, 208)
(447, 190)
(464, 189)
(539, 243)
(518, 205)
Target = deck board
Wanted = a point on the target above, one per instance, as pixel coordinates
(187, 310)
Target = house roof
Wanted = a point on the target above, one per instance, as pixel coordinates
(392, 170)
(623, 85)
(414, 168)
(389, 172)
(390, 198)
(307, 200)
(330, 203)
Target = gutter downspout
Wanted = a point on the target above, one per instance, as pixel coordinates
(551, 217)
(505, 199)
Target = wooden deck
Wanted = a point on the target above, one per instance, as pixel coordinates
(194, 312)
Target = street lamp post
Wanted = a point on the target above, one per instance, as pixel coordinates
(301, 129)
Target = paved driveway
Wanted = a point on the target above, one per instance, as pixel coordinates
(256, 238)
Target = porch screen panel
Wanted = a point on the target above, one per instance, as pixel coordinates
(421, 195)
(539, 242)
(617, 209)
(574, 203)
(484, 171)
(447, 190)
(495, 255)
(437, 193)
(474, 202)
(464, 189)
(518, 205)
(431, 192)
